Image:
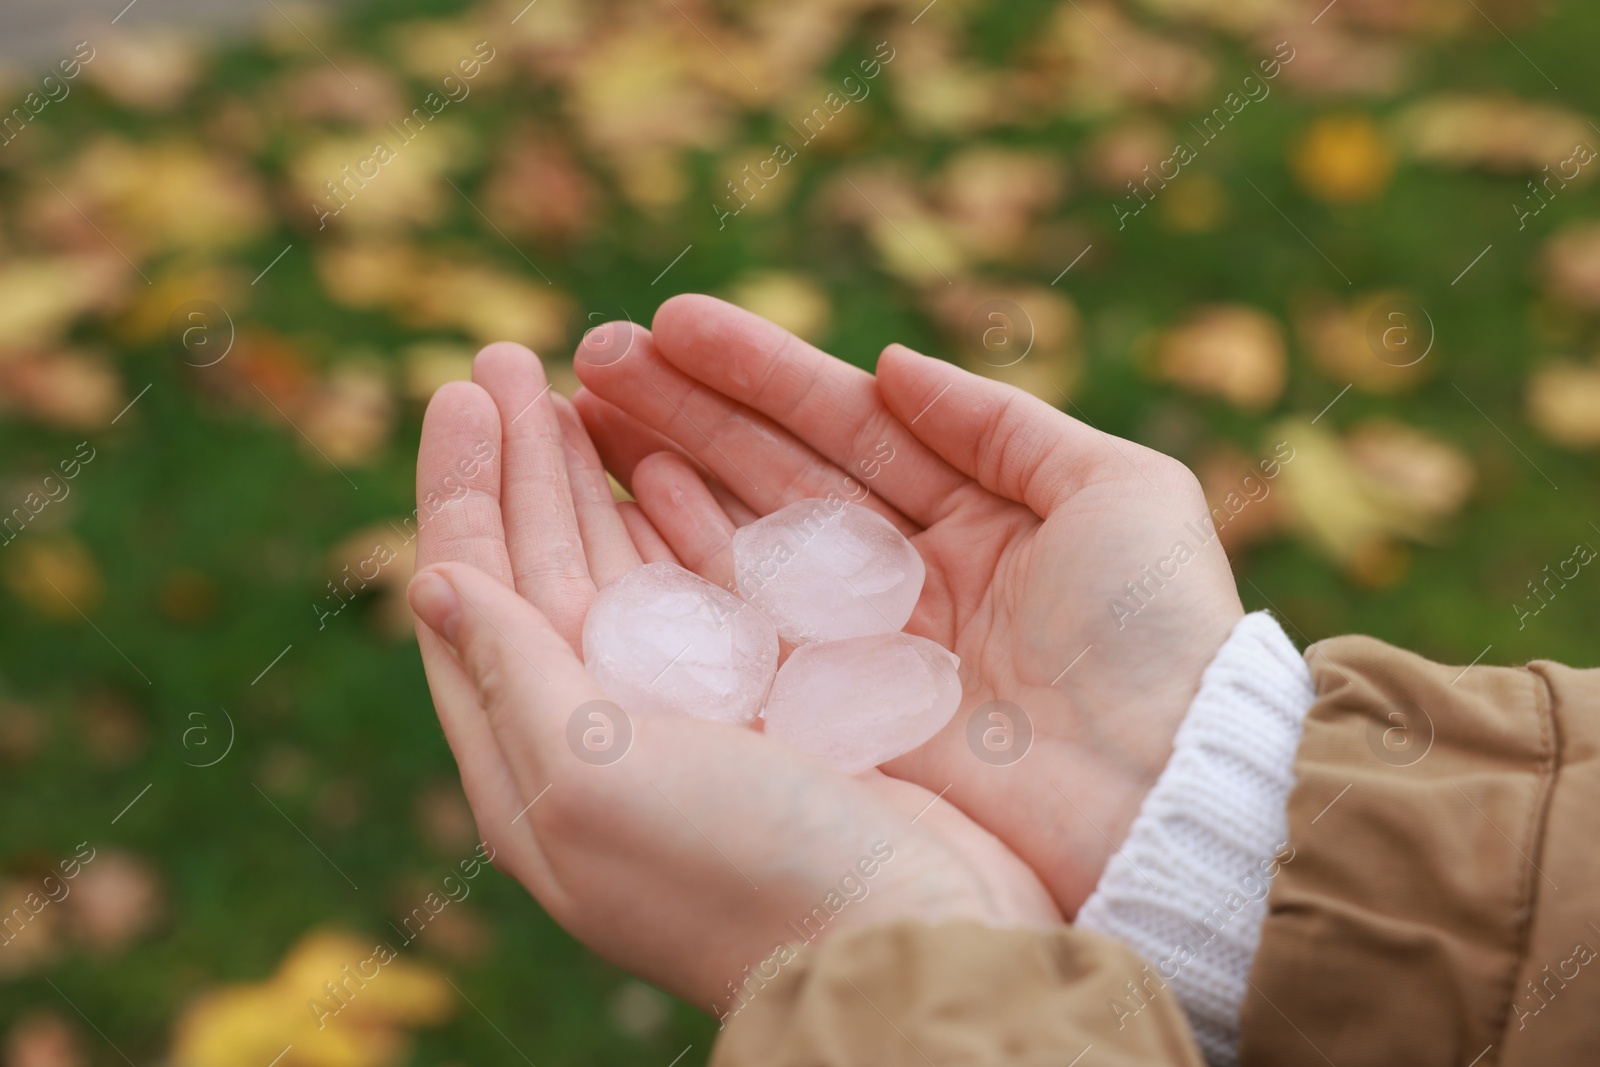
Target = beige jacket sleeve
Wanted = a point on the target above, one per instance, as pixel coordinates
(1443, 904)
(959, 995)
(1442, 907)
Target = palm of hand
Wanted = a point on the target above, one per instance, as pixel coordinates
(1029, 521)
(1098, 693)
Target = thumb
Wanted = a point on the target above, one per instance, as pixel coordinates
(1008, 440)
(528, 679)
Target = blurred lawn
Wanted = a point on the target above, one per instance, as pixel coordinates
(984, 157)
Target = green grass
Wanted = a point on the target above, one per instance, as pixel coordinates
(194, 485)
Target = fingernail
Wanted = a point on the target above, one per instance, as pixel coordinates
(436, 604)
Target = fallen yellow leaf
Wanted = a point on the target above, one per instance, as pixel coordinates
(1564, 403)
(1227, 350)
(1343, 159)
(336, 1001)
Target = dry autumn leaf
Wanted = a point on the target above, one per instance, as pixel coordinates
(367, 273)
(937, 92)
(460, 934)
(1497, 133)
(1331, 63)
(444, 819)
(384, 180)
(1357, 499)
(171, 194)
(350, 414)
(1028, 336)
(1198, 204)
(234, 124)
(1244, 510)
(45, 1039)
(487, 304)
(993, 196)
(150, 311)
(538, 188)
(430, 49)
(794, 40)
(635, 96)
(1127, 151)
(480, 300)
(1227, 350)
(23, 732)
(1342, 159)
(74, 390)
(41, 298)
(912, 242)
(793, 301)
(638, 1010)
(1328, 502)
(1564, 403)
(754, 180)
(1572, 265)
(430, 364)
(369, 999)
(264, 370)
(27, 946)
(1106, 61)
(113, 731)
(358, 92)
(740, 53)
(1345, 340)
(553, 43)
(294, 29)
(57, 578)
(377, 560)
(1411, 469)
(146, 69)
(114, 900)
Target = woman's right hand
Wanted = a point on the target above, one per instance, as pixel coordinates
(1073, 572)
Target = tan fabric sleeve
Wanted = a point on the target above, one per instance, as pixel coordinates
(1442, 902)
(960, 995)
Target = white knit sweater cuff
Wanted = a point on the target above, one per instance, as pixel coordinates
(1188, 889)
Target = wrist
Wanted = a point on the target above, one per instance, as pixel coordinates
(915, 878)
(1124, 767)
(1187, 889)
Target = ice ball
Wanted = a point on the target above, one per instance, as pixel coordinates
(661, 639)
(825, 570)
(863, 701)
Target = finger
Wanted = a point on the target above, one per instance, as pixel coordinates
(493, 793)
(689, 519)
(547, 558)
(1014, 444)
(620, 439)
(731, 505)
(458, 482)
(606, 544)
(652, 548)
(759, 461)
(522, 672)
(528, 678)
(623, 441)
(458, 518)
(823, 401)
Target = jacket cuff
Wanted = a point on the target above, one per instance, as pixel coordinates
(909, 995)
(1188, 889)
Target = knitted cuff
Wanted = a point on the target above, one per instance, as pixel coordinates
(1188, 889)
